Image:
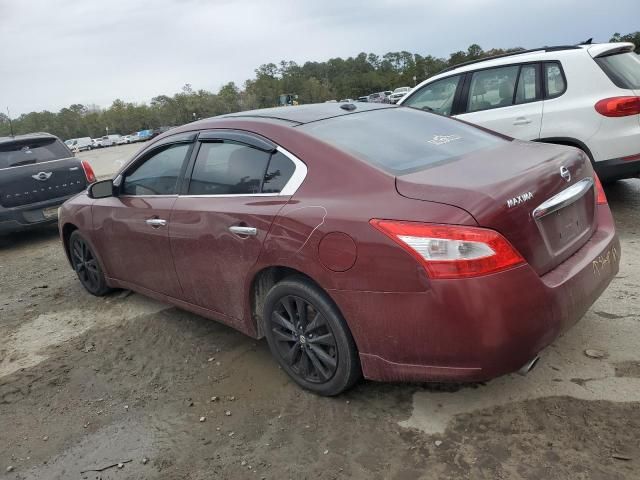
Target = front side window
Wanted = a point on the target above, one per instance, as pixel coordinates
(435, 97)
(228, 168)
(492, 88)
(158, 174)
(526, 91)
(554, 80)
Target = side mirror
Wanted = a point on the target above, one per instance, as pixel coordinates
(101, 189)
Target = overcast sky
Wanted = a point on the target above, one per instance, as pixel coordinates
(57, 52)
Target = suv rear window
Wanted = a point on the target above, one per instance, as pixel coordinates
(622, 68)
(403, 139)
(28, 151)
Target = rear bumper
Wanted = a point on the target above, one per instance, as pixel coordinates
(29, 216)
(481, 328)
(618, 168)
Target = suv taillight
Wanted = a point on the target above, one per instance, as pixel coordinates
(88, 171)
(601, 198)
(447, 251)
(618, 106)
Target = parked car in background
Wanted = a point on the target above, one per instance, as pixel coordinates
(81, 144)
(364, 98)
(144, 135)
(37, 174)
(395, 243)
(585, 96)
(159, 131)
(377, 97)
(125, 139)
(96, 143)
(398, 93)
(114, 137)
(347, 100)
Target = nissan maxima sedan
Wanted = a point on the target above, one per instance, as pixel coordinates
(359, 239)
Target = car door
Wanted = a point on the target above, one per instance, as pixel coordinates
(132, 228)
(506, 99)
(238, 184)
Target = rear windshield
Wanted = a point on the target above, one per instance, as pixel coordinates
(623, 69)
(401, 140)
(25, 152)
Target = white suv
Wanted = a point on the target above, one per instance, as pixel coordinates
(585, 96)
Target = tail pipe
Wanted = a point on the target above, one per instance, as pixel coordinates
(527, 367)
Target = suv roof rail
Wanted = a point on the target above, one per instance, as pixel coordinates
(518, 52)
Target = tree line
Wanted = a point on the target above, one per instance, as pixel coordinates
(313, 82)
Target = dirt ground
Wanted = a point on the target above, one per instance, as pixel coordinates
(89, 383)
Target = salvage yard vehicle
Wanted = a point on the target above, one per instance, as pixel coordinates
(398, 93)
(81, 144)
(586, 96)
(37, 174)
(360, 239)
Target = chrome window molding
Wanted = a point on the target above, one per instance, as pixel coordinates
(290, 188)
(564, 198)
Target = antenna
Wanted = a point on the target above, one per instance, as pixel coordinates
(10, 124)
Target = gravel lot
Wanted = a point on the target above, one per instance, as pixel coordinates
(89, 383)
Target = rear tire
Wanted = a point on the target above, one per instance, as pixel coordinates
(309, 338)
(86, 265)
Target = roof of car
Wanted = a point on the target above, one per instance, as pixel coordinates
(26, 136)
(595, 49)
(309, 113)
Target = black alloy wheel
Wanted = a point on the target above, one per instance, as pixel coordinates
(309, 337)
(86, 265)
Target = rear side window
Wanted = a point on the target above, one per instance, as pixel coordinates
(435, 97)
(623, 69)
(278, 174)
(402, 140)
(492, 88)
(554, 80)
(158, 174)
(228, 168)
(25, 152)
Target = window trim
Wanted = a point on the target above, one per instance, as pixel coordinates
(291, 187)
(545, 90)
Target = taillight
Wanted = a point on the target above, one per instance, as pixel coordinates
(618, 106)
(88, 171)
(601, 198)
(447, 251)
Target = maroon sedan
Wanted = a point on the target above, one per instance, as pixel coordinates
(360, 240)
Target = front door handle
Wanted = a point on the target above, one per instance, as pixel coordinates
(156, 222)
(522, 121)
(248, 231)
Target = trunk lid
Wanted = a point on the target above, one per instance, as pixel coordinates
(501, 187)
(37, 169)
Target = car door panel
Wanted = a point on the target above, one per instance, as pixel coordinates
(518, 121)
(122, 225)
(213, 262)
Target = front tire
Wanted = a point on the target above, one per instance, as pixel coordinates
(86, 265)
(309, 338)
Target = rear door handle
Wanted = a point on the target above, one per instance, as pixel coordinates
(522, 121)
(248, 231)
(156, 222)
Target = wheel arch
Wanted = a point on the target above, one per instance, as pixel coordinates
(569, 142)
(264, 280)
(67, 229)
